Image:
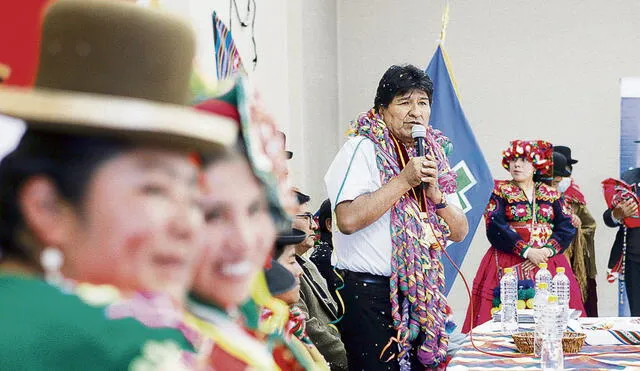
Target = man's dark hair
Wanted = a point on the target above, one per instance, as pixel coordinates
(399, 80)
(324, 213)
(302, 198)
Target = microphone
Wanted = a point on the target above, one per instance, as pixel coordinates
(419, 133)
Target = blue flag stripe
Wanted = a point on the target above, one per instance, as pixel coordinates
(474, 177)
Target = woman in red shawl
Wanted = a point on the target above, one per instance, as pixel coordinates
(528, 223)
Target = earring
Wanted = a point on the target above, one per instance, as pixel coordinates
(51, 260)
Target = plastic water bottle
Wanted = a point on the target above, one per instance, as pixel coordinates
(561, 289)
(543, 275)
(508, 298)
(551, 357)
(539, 303)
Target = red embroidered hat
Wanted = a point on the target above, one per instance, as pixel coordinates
(538, 152)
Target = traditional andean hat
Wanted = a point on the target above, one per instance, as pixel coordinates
(118, 69)
(538, 152)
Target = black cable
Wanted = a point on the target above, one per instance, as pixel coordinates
(251, 4)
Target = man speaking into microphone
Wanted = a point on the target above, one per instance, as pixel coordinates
(394, 215)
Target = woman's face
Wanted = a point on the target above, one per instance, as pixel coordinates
(140, 224)
(521, 170)
(404, 111)
(288, 260)
(239, 233)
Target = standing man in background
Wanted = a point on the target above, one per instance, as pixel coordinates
(585, 237)
(391, 230)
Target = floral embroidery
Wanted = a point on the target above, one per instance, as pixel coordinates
(547, 193)
(545, 212)
(519, 247)
(160, 356)
(491, 207)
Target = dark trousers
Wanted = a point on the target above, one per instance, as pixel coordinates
(632, 281)
(591, 301)
(367, 325)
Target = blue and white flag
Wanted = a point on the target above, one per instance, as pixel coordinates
(475, 182)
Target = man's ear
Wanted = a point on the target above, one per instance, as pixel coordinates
(328, 224)
(44, 212)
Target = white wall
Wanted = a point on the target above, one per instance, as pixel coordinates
(295, 74)
(524, 69)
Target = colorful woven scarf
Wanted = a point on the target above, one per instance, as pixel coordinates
(418, 306)
(295, 326)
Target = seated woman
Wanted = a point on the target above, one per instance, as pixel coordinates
(528, 223)
(98, 203)
(239, 239)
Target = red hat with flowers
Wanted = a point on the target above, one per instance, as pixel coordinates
(538, 152)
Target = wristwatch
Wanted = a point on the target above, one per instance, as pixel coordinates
(442, 204)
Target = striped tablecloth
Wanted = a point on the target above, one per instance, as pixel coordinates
(488, 338)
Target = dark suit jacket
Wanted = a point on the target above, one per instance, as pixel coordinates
(633, 241)
(321, 309)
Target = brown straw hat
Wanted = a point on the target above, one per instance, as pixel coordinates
(111, 67)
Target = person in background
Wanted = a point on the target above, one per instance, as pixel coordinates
(581, 253)
(240, 234)
(315, 298)
(99, 213)
(527, 223)
(322, 253)
(295, 326)
(625, 253)
(395, 212)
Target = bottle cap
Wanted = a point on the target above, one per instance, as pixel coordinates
(543, 265)
(560, 270)
(543, 285)
(552, 299)
(508, 270)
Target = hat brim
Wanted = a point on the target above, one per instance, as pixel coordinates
(129, 118)
(292, 237)
(279, 279)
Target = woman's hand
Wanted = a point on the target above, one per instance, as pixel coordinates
(625, 209)
(535, 256)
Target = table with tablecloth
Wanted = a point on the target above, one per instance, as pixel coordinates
(608, 347)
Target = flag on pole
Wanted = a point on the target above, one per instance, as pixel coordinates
(475, 182)
(228, 61)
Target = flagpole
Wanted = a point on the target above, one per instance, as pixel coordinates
(445, 23)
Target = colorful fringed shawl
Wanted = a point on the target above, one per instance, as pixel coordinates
(418, 304)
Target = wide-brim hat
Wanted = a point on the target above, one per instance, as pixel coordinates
(560, 166)
(538, 152)
(566, 152)
(115, 68)
(291, 237)
(279, 279)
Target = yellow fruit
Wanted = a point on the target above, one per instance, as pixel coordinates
(521, 304)
(529, 303)
(494, 309)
